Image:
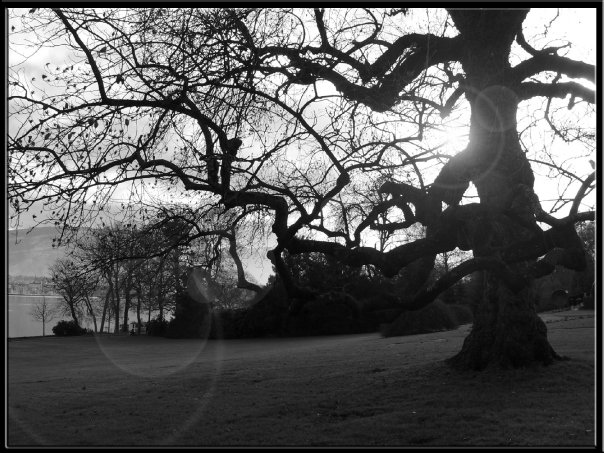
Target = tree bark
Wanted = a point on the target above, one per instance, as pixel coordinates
(127, 301)
(138, 310)
(91, 312)
(507, 330)
(105, 305)
(72, 311)
(116, 301)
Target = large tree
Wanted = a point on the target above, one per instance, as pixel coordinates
(317, 122)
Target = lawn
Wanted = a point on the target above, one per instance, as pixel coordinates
(340, 390)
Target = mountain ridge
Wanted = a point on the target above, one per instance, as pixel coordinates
(30, 253)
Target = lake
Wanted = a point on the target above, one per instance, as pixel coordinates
(21, 323)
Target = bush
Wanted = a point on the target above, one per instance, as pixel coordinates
(332, 313)
(435, 317)
(67, 329)
(229, 323)
(462, 313)
(157, 327)
(266, 317)
(191, 319)
(588, 302)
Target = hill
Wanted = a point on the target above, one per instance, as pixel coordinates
(31, 254)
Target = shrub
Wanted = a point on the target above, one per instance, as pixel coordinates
(332, 313)
(462, 313)
(433, 318)
(157, 327)
(191, 319)
(588, 302)
(372, 320)
(67, 329)
(229, 323)
(267, 316)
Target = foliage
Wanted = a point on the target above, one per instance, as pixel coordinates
(229, 323)
(324, 273)
(587, 234)
(461, 313)
(157, 327)
(68, 328)
(433, 318)
(589, 301)
(331, 313)
(267, 316)
(191, 319)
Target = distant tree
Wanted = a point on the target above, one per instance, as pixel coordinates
(587, 234)
(43, 312)
(101, 251)
(74, 284)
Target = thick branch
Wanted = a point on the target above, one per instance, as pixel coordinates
(581, 193)
(424, 51)
(242, 282)
(547, 62)
(528, 90)
(514, 281)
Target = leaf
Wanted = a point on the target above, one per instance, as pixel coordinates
(592, 163)
(33, 10)
(127, 122)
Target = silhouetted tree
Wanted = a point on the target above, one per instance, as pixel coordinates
(283, 116)
(43, 312)
(75, 285)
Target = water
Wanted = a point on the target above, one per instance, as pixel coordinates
(22, 324)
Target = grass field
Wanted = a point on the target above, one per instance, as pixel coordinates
(343, 390)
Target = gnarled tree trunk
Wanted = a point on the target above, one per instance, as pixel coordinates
(507, 330)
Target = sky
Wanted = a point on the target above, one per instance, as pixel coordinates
(576, 25)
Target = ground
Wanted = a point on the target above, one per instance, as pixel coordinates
(339, 390)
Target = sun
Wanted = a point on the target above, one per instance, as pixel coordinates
(454, 139)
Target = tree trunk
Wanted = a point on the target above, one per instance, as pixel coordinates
(73, 313)
(127, 301)
(160, 304)
(91, 312)
(160, 289)
(507, 331)
(116, 308)
(138, 310)
(105, 305)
